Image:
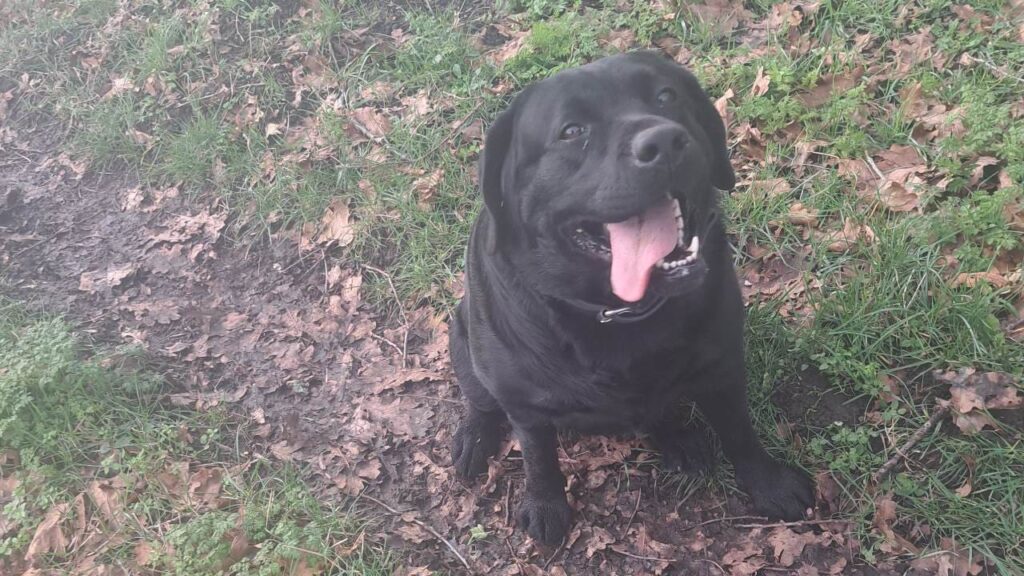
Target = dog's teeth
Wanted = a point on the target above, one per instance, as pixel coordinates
(694, 247)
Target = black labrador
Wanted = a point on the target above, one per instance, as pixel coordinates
(600, 287)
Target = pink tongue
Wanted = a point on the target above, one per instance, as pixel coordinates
(637, 244)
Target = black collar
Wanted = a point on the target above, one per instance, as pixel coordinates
(623, 315)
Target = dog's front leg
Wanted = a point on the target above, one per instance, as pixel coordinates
(544, 513)
(777, 490)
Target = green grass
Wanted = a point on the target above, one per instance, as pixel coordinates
(884, 310)
(72, 419)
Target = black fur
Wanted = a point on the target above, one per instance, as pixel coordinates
(523, 346)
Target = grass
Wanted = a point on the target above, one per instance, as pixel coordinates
(166, 489)
(882, 312)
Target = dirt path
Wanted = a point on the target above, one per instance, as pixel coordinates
(278, 333)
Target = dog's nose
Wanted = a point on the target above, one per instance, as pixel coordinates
(662, 144)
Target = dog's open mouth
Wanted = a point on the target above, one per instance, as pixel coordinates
(655, 240)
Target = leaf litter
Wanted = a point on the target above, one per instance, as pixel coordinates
(285, 333)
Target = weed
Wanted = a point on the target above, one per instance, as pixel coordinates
(553, 45)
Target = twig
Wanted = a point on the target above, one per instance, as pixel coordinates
(902, 451)
(454, 131)
(401, 310)
(790, 524)
(636, 507)
(386, 341)
(434, 398)
(565, 540)
(639, 557)
(874, 167)
(508, 503)
(717, 520)
(323, 258)
(425, 527)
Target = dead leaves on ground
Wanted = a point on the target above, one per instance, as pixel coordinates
(83, 531)
(973, 394)
(950, 559)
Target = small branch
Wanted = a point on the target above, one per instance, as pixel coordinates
(902, 451)
(508, 503)
(717, 520)
(565, 540)
(639, 557)
(636, 507)
(425, 527)
(874, 167)
(790, 524)
(465, 120)
(401, 310)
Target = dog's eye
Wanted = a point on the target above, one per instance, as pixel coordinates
(571, 131)
(666, 96)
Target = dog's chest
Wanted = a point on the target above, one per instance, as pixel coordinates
(594, 396)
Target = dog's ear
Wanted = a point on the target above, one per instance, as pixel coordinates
(722, 175)
(496, 152)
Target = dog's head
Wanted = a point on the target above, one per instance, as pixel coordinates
(600, 179)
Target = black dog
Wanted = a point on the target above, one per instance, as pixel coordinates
(600, 287)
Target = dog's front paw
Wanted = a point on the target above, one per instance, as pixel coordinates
(686, 450)
(545, 518)
(476, 440)
(777, 490)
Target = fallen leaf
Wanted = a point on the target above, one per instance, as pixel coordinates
(333, 276)
(473, 131)
(107, 497)
(49, 537)
(913, 49)
(377, 90)
(804, 150)
(112, 277)
(838, 566)
(335, 226)
(852, 235)
(971, 279)
(371, 122)
(770, 187)
(144, 553)
(830, 85)
(788, 545)
(722, 106)
(971, 390)
(508, 50)
(190, 226)
(800, 215)
(412, 533)
(898, 197)
(621, 39)
(599, 540)
(426, 187)
(174, 479)
(416, 105)
(403, 417)
(745, 560)
(952, 560)
(118, 86)
(761, 83)
(720, 16)
(885, 516)
(204, 487)
(369, 470)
